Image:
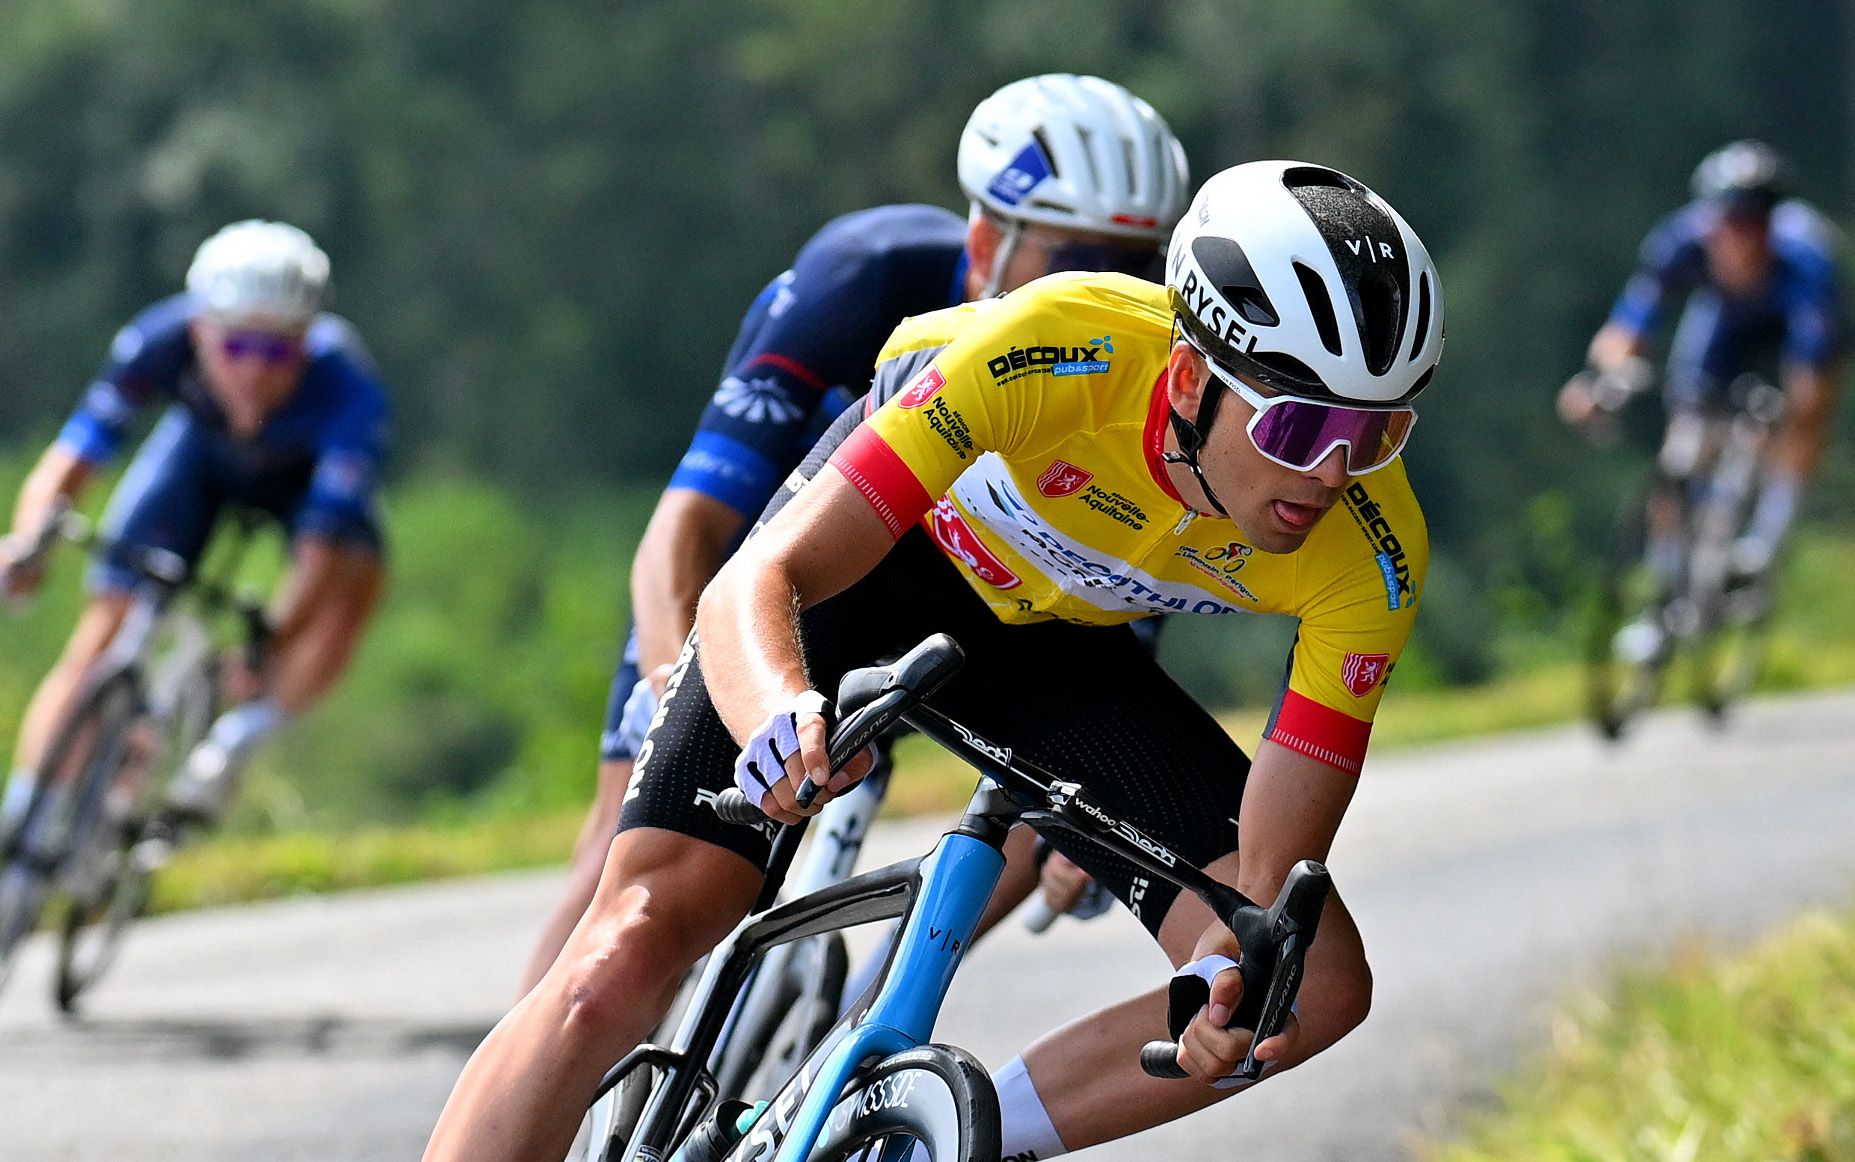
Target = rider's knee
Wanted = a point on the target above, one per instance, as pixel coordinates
(621, 960)
(630, 953)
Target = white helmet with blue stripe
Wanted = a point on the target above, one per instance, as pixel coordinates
(1074, 152)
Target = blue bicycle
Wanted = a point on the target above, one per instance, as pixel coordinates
(876, 1086)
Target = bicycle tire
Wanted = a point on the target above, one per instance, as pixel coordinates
(98, 917)
(1618, 687)
(936, 1096)
(44, 843)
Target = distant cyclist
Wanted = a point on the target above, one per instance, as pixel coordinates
(1036, 473)
(271, 405)
(1754, 272)
(1062, 173)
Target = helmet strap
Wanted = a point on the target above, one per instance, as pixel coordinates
(1192, 436)
(1010, 233)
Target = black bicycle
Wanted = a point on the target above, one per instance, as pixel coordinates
(139, 711)
(1697, 602)
(876, 1086)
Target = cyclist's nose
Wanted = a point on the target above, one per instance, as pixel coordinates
(1331, 470)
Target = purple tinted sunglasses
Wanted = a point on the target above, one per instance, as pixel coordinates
(1299, 433)
(264, 346)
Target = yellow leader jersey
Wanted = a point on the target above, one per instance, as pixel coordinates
(1024, 434)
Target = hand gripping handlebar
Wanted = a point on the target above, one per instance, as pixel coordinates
(1275, 944)
(869, 701)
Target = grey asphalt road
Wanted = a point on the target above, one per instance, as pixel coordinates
(1490, 879)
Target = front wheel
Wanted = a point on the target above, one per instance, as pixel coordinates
(1627, 639)
(937, 1097)
(84, 758)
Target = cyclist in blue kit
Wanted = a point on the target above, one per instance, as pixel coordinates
(1062, 173)
(1754, 272)
(271, 405)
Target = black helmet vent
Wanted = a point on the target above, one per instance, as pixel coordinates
(1421, 331)
(1303, 176)
(1228, 269)
(1380, 310)
(1320, 303)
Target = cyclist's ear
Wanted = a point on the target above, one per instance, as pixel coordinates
(1186, 378)
(983, 237)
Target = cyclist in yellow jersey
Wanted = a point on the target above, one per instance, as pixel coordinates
(1039, 422)
(1033, 474)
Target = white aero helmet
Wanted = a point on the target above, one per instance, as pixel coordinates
(1308, 282)
(1076, 152)
(259, 270)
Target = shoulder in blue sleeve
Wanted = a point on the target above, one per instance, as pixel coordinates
(344, 390)
(809, 342)
(1671, 263)
(146, 359)
(1804, 245)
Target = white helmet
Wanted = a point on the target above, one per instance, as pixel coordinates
(1076, 152)
(1305, 280)
(263, 270)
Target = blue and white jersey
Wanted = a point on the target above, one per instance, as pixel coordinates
(331, 431)
(1796, 316)
(808, 344)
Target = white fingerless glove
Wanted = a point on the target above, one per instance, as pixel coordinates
(763, 759)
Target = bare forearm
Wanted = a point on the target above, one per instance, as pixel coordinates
(685, 544)
(60, 472)
(752, 661)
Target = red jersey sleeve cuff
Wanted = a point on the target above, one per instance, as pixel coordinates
(884, 479)
(1320, 732)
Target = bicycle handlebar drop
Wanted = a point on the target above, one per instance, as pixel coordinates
(869, 701)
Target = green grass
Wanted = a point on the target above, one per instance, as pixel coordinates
(237, 869)
(1749, 1059)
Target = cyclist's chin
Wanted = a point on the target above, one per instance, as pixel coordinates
(1268, 530)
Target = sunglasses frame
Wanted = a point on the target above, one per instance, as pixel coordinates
(1262, 403)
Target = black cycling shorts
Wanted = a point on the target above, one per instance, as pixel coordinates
(1088, 703)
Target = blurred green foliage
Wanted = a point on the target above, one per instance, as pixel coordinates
(547, 219)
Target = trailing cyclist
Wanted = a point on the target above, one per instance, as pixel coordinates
(1756, 273)
(1062, 173)
(270, 405)
(1037, 473)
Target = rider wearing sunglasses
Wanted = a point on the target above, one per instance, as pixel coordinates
(1032, 475)
(269, 405)
(1061, 172)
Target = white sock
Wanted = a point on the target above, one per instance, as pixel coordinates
(247, 724)
(1026, 1133)
(17, 798)
(1777, 507)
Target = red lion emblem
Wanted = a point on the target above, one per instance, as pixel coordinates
(923, 388)
(1062, 479)
(1361, 672)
